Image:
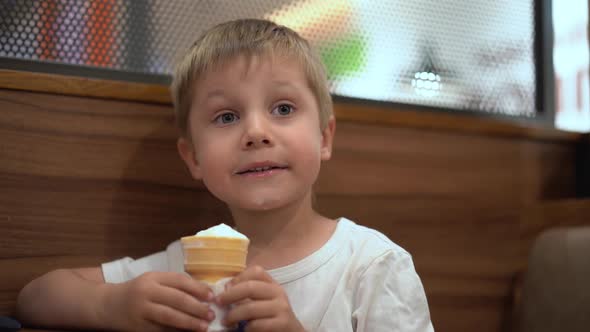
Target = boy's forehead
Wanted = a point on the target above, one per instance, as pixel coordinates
(247, 63)
(218, 75)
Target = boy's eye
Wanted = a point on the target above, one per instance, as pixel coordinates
(226, 118)
(283, 110)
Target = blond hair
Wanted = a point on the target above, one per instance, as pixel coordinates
(246, 37)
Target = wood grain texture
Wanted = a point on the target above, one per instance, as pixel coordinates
(81, 179)
(482, 124)
(83, 86)
(359, 112)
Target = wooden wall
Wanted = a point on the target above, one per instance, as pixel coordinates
(82, 179)
(454, 201)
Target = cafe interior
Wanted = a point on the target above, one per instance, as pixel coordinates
(462, 135)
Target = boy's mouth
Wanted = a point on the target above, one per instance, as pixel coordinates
(259, 168)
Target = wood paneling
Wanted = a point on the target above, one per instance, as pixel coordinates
(350, 110)
(82, 179)
(482, 124)
(88, 138)
(83, 86)
(446, 165)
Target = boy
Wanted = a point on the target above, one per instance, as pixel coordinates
(255, 113)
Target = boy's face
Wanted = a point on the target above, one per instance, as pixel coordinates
(255, 138)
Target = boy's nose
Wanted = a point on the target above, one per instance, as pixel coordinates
(255, 142)
(257, 133)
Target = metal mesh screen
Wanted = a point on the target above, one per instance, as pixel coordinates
(464, 55)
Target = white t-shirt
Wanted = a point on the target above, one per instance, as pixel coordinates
(357, 281)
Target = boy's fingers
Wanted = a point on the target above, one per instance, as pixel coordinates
(252, 273)
(187, 284)
(183, 302)
(250, 311)
(265, 324)
(153, 327)
(167, 316)
(251, 289)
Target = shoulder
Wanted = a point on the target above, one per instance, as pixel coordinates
(386, 279)
(370, 244)
(369, 254)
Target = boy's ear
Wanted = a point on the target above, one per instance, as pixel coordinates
(188, 154)
(328, 138)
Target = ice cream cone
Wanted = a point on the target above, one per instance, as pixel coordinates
(210, 258)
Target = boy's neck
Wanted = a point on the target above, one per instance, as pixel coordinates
(283, 236)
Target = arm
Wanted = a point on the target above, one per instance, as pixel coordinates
(390, 297)
(154, 301)
(65, 298)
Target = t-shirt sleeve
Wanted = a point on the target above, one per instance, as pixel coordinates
(125, 269)
(390, 297)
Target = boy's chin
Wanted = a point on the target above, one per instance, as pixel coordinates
(259, 204)
(262, 205)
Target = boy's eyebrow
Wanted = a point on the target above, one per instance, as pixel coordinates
(284, 84)
(220, 92)
(214, 93)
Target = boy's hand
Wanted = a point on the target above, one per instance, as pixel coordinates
(258, 299)
(159, 301)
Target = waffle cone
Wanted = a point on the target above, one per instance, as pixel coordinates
(209, 258)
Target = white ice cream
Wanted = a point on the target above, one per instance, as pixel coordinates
(222, 230)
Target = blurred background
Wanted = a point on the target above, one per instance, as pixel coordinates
(476, 56)
(462, 135)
